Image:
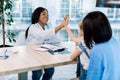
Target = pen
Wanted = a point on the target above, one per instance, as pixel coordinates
(5, 52)
(49, 50)
(44, 47)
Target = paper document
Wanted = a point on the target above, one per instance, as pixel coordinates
(41, 49)
(54, 48)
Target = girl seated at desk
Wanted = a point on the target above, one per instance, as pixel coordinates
(105, 49)
(81, 52)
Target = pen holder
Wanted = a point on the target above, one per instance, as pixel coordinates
(4, 56)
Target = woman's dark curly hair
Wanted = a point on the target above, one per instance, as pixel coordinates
(35, 17)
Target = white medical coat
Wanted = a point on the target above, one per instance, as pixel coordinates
(36, 35)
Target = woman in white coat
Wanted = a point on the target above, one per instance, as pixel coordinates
(39, 32)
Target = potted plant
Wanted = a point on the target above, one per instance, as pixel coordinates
(5, 12)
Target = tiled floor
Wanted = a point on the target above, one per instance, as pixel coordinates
(65, 72)
(61, 73)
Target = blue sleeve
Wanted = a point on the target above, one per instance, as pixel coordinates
(95, 69)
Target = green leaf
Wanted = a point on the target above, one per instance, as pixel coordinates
(9, 39)
(0, 20)
(14, 40)
(8, 6)
(12, 34)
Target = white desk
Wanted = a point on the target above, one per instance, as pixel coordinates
(27, 59)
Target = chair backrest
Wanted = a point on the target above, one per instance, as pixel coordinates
(21, 39)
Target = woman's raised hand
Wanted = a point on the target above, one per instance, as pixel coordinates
(65, 21)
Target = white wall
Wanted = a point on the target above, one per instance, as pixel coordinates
(89, 5)
(51, 7)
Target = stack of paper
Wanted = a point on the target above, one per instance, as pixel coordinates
(54, 48)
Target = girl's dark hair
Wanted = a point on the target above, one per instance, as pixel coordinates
(96, 28)
(35, 17)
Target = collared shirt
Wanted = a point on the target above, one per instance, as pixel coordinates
(105, 61)
(36, 35)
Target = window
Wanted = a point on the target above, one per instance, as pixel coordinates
(77, 9)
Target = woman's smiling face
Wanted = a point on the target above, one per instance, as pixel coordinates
(43, 18)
